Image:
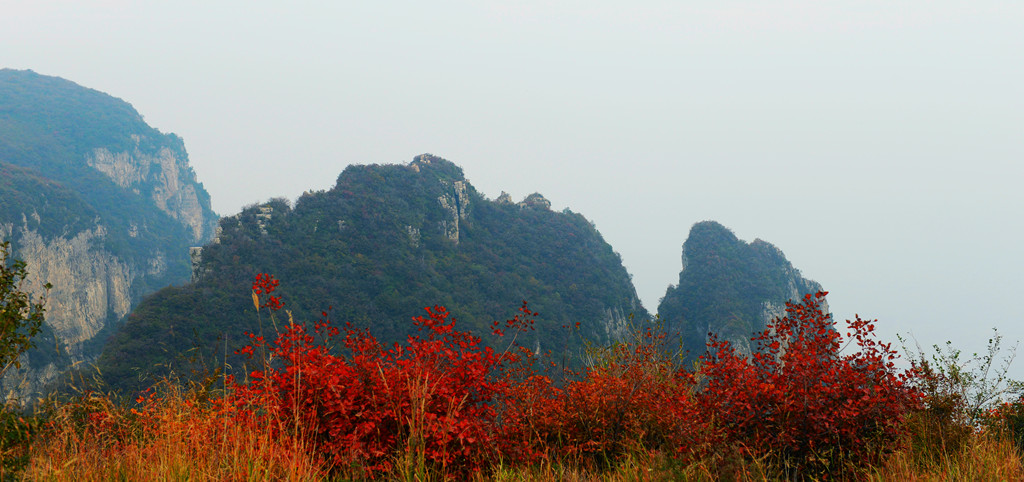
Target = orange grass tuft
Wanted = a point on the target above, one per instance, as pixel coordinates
(172, 435)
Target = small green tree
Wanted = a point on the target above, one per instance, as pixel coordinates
(21, 318)
(972, 386)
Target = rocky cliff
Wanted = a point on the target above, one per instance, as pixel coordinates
(89, 285)
(98, 204)
(164, 177)
(728, 287)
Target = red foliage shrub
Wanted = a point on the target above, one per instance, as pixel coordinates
(444, 403)
(431, 397)
(1007, 418)
(798, 397)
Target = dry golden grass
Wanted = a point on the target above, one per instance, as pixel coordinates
(981, 457)
(193, 444)
(187, 435)
(642, 466)
(173, 437)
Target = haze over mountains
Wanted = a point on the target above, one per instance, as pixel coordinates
(105, 208)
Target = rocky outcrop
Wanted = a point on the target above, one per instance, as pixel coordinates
(195, 255)
(616, 321)
(162, 176)
(535, 201)
(456, 206)
(414, 236)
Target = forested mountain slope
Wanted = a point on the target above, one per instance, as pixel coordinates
(384, 242)
(728, 287)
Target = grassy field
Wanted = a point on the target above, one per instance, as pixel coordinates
(182, 435)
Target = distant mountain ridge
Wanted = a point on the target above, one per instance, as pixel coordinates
(380, 245)
(107, 209)
(98, 203)
(387, 240)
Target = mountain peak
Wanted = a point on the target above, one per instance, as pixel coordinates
(387, 240)
(711, 231)
(444, 167)
(729, 287)
(535, 201)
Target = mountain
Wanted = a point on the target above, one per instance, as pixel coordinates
(97, 203)
(384, 242)
(728, 287)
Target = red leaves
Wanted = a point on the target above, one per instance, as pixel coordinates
(804, 394)
(461, 406)
(362, 407)
(264, 285)
(274, 303)
(522, 322)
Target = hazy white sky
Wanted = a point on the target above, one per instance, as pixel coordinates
(879, 144)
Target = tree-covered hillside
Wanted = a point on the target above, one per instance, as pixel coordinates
(384, 242)
(728, 287)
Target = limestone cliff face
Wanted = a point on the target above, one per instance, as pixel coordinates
(162, 176)
(455, 203)
(88, 283)
(616, 319)
(90, 286)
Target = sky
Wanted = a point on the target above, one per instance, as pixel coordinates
(879, 144)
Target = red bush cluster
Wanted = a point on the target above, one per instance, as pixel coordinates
(800, 398)
(444, 402)
(432, 396)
